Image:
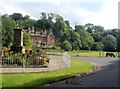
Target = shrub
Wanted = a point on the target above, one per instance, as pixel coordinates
(30, 58)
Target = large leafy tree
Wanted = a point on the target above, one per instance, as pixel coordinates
(76, 45)
(97, 46)
(60, 26)
(17, 17)
(110, 43)
(66, 45)
(7, 30)
(75, 41)
(113, 32)
(89, 27)
(27, 22)
(79, 27)
(73, 37)
(45, 21)
(98, 29)
(86, 40)
(97, 37)
(23, 21)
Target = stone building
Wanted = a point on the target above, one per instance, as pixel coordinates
(41, 38)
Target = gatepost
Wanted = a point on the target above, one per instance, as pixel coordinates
(66, 59)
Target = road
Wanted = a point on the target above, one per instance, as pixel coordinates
(107, 77)
(98, 61)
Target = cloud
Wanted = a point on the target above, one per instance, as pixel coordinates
(110, 15)
(107, 18)
(53, 1)
(10, 8)
(76, 11)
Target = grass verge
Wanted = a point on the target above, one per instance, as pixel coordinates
(82, 53)
(33, 79)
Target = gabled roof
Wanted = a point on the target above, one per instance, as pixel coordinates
(39, 33)
(51, 34)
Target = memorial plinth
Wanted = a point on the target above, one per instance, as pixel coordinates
(18, 41)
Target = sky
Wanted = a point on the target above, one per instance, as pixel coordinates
(80, 12)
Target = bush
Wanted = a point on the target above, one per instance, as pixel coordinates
(66, 46)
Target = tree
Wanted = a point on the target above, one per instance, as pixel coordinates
(26, 17)
(98, 29)
(17, 17)
(43, 15)
(97, 46)
(45, 21)
(110, 43)
(7, 30)
(28, 23)
(79, 27)
(66, 46)
(68, 25)
(76, 45)
(27, 40)
(86, 40)
(64, 36)
(74, 39)
(89, 27)
(51, 16)
(113, 32)
(59, 26)
(90, 41)
(97, 37)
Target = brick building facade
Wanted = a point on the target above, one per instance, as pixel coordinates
(42, 37)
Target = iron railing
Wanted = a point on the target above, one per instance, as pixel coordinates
(18, 60)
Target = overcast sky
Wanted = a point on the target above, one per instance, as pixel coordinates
(98, 12)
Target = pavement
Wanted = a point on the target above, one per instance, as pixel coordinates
(53, 66)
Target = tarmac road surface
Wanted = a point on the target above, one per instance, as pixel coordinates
(107, 77)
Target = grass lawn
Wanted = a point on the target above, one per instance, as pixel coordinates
(54, 51)
(80, 53)
(33, 79)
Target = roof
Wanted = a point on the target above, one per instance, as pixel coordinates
(51, 34)
(39, 33)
